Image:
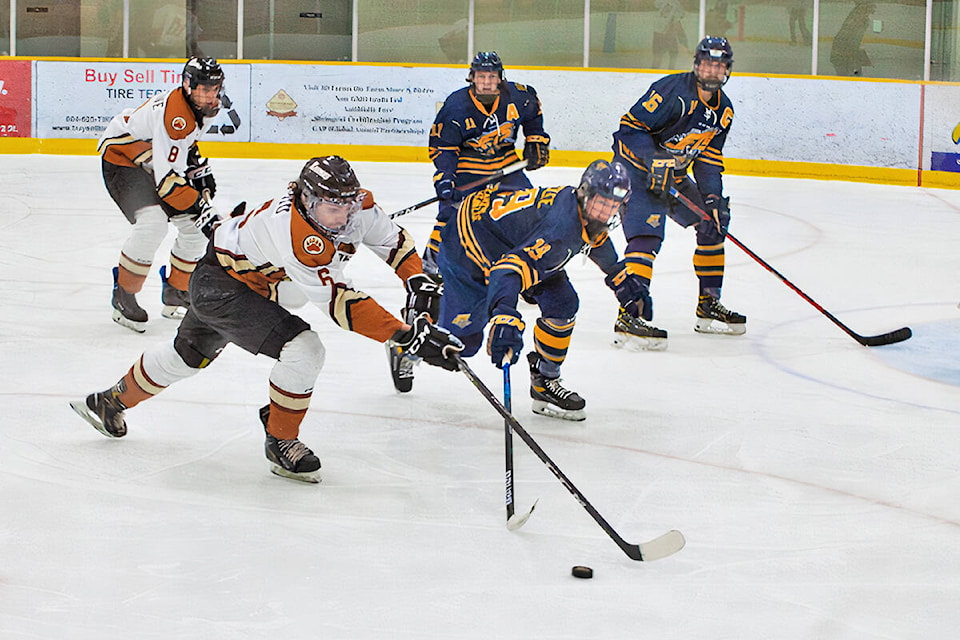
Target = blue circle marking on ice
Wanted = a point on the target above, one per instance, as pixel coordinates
(933, 352)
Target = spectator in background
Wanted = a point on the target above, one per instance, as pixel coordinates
(847, 54)
(669, 34)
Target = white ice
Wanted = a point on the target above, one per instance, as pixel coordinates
(817, 481)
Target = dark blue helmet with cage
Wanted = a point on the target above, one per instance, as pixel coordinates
(715, 49)
(608, 180)
(486, 61)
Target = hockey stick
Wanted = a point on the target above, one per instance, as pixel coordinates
(514, 521)
(660, 547)
(891, 337)
(507, 170)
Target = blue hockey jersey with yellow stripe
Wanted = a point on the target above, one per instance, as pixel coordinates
(672, 116)
(468, 141)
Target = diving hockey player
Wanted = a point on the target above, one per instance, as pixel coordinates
(304, 237)
(502, 244)
(473, 137)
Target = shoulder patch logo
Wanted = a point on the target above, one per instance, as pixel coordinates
(179, 123)
(462, 320)
(313, 245)
(654, 220)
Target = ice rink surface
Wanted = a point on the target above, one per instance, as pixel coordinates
(817, 481)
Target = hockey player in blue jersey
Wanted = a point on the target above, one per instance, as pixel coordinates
(502, 243)
(473, 137)
(475, 134)
(681, 122)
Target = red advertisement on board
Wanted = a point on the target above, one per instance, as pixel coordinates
(16, 88)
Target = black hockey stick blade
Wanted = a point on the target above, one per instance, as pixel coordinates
(660, 547)
(507, 170)
(514, 520)
(891, 337)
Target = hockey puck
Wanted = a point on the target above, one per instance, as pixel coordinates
(582, 572)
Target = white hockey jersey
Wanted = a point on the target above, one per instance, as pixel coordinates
(157, 136)
(273, 244)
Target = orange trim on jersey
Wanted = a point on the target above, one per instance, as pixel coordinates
(179, 120)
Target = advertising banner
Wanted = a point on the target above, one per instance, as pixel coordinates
(16, 91)
(78, 99)
(942, 128)
(347, 104)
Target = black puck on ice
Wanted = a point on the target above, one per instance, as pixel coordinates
(582, 572)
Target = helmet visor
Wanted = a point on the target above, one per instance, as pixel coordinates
(331, 214)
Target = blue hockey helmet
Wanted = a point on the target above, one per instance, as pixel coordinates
(715, 49)
(486, 61)
(610, 181)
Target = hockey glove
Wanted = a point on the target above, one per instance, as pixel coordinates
(632, 293)
(505, 339)
(199, 174)
(536, 152)
(445, 189)
(208, 217)
(423, 296)
(719, 210)
(661, 173)
(428, 341)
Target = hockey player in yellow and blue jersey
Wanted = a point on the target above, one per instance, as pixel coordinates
(475, 134)
(504, 243)
(681, 122)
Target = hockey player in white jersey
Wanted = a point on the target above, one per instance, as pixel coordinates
(303, 237)
(154, 172)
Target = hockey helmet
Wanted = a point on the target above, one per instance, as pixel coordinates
(328, 195)
(609, 181)
(715, 49)
(206, 72)
(486, 61)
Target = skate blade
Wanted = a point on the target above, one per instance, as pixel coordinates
(82, 410)
(638, 343)
(553, 411)
(311, 477)
(120, 319)
(173, 312)
(706, 325)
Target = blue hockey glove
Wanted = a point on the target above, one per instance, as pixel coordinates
(446, 189)
(632, 293)
(719, 209)
(505, 339)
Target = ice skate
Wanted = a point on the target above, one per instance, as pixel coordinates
(710, 309)
(175, 301)
(126, 312)
(637, 335)
(104, 411)
(550, 398)
(290, 458)
(401, 368)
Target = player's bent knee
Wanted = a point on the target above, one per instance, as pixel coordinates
(306, 352)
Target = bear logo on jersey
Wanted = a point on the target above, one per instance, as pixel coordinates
(179, 123)
(313, 245)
